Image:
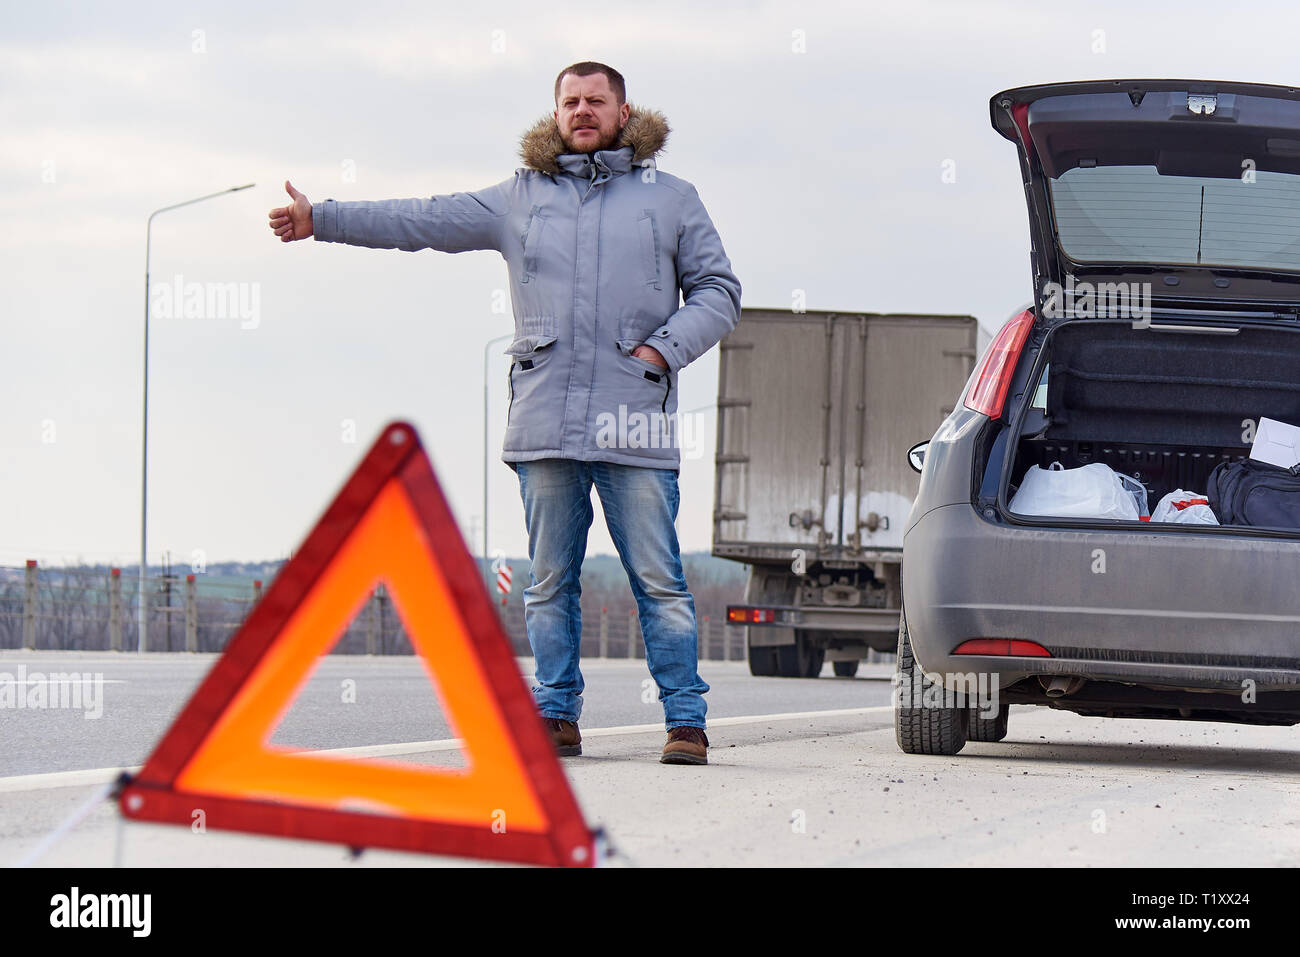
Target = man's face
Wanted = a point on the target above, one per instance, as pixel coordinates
(588, 114)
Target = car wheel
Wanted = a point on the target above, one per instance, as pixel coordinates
(845, 669)
(922, 730)
(988, 729)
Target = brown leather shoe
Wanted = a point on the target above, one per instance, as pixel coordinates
(686, 746)
(565, 736)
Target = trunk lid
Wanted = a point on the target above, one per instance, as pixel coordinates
(1177, 195)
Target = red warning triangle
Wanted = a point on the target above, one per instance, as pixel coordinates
(390, 523)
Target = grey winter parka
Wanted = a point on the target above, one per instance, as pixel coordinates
(598, 246)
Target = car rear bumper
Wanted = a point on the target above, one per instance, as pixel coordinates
(1163, 609)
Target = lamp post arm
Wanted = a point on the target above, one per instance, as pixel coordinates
(191, 202)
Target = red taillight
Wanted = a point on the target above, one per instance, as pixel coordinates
(1015, 647)
(989, 390)
(748, 615)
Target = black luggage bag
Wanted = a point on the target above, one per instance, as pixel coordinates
(1255, 493)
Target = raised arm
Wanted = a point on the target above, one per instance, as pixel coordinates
(453, 223)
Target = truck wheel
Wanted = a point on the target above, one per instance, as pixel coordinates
(988, 729)
(814, 661)
(803, 659)
(762, 661)
(845, 669)
(921, 730)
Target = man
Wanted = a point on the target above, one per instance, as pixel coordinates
(598, 243)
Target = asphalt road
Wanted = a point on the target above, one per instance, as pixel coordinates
(388, 701)
(783, 786)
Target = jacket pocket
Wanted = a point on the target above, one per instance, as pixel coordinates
(635, 329)
(655, 385)
(533, 336)
(648, 233)
(532, 241)
(628, 342)
(536, 386)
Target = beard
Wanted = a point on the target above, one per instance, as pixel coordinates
(607, 139)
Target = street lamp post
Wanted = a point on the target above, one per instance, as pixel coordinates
(487, 569)
(144, 444)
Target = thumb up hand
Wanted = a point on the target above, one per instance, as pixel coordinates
(293, 221)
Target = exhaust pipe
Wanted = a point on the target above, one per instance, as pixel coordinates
(1059, 686)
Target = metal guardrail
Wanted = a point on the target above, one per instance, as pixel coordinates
(93, 609)
(89, 609)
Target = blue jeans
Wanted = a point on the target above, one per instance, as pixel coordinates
(640, 506)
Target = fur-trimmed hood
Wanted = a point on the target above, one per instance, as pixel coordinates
(646, 131)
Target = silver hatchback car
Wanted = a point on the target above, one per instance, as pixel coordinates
(1165, 225)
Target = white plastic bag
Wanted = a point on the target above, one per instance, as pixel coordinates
(1184, 508)
(1090, 491)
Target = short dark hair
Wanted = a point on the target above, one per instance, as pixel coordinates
(590, 67)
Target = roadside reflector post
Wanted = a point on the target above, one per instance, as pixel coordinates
(706, 639)
(504, 576)
(728, 637)
(115, 609)
(603, 650)
(29, 607)
(631, 634)
(191, 615)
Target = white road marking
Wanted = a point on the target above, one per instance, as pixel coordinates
(84, 679)
(93, 776)
(60, 779)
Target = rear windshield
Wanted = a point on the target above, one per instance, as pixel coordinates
(1133, 214)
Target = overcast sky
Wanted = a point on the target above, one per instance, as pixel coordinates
(816, 133)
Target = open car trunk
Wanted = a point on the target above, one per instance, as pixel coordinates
(1164, 407)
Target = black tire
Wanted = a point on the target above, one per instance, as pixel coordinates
(988, 729)
(922, 730)
(762, 661)
(816, 658)
(845, 669)
(803, 659)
